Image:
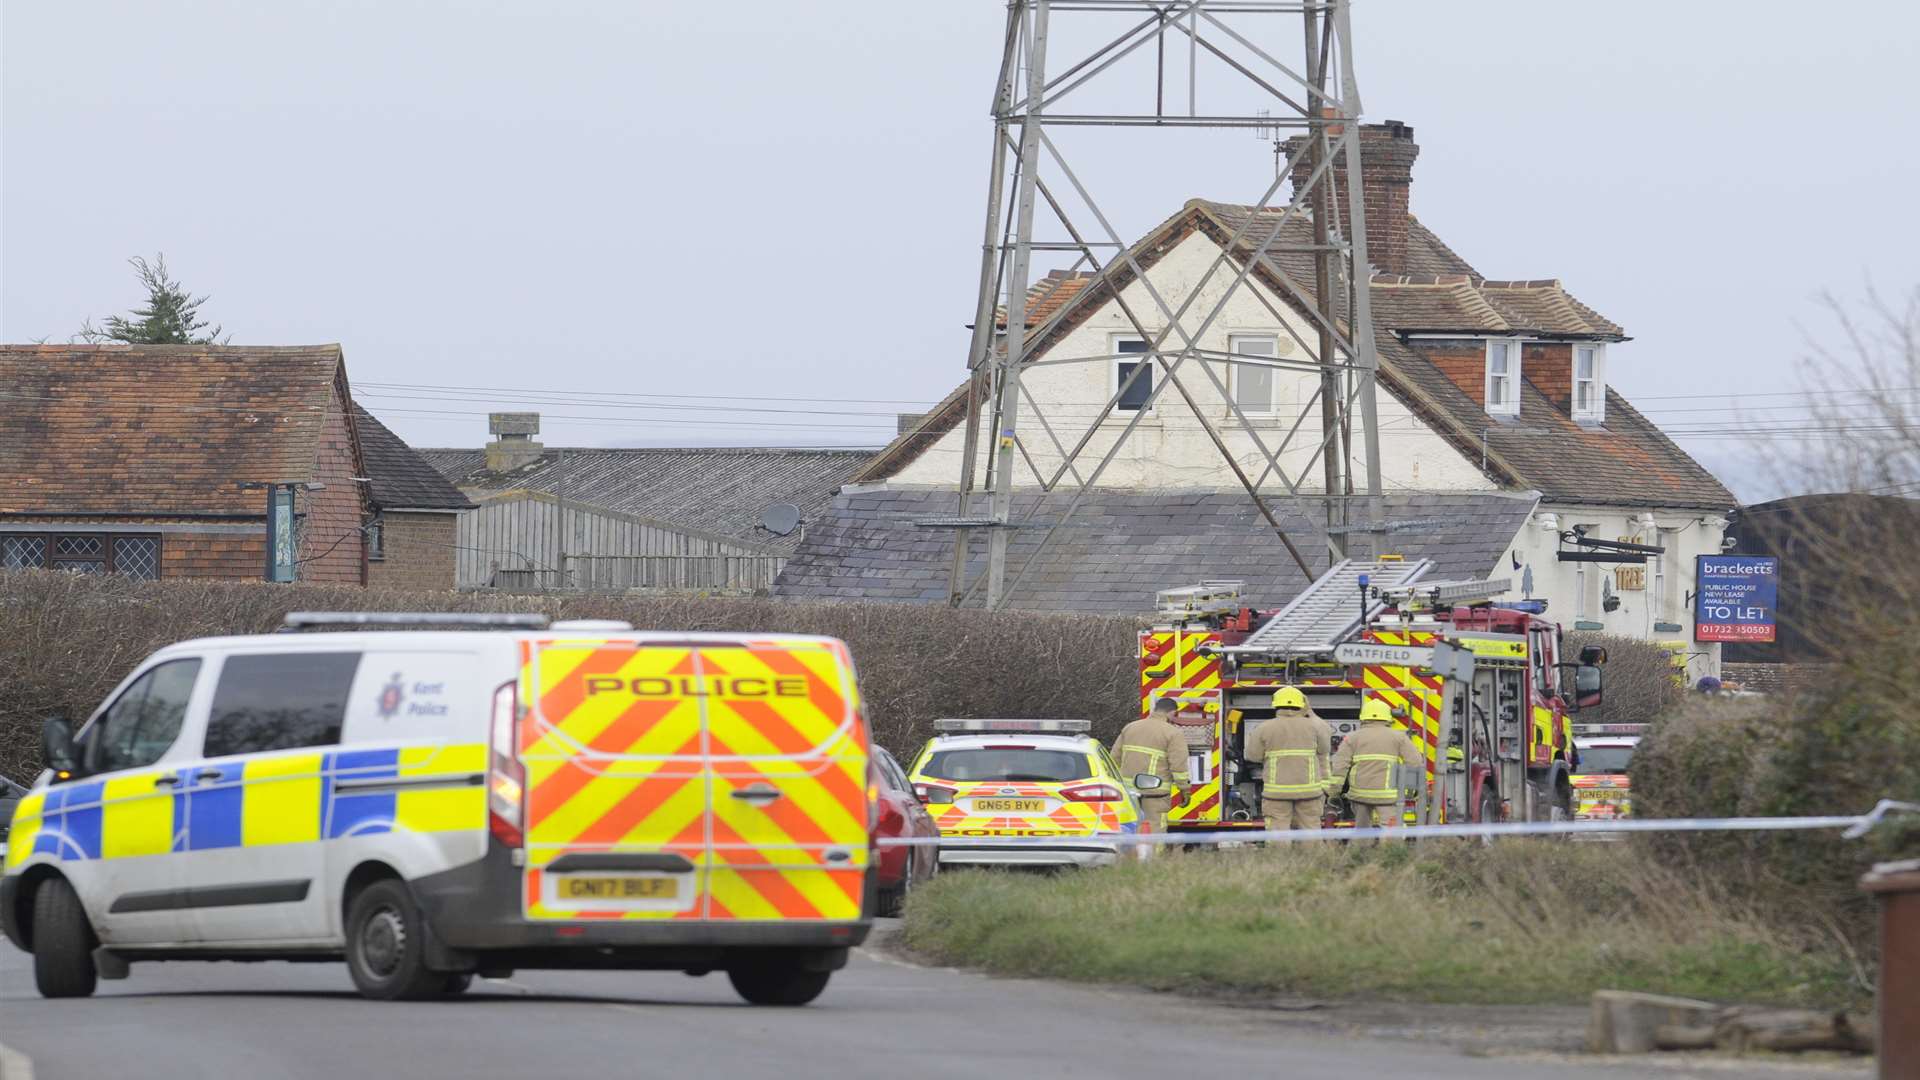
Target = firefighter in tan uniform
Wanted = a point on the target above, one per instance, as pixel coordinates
(1292, 750)
(1375, 764)
(1152, 744)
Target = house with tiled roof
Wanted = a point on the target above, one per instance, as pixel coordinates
(614, 519)
(158, 461)
(1488, 388)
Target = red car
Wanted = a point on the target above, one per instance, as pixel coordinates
(901, 816)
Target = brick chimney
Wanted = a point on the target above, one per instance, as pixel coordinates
(1386, 168)
(513, 444)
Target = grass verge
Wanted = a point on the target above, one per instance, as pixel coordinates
(1529, 922)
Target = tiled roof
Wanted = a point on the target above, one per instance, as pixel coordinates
(1047, 296)
(1413, 303)
(721, 490)
(1627, 461)
(401, 478)
(158, 429)
(1121, 547)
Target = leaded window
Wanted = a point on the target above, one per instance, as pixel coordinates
(82, 553)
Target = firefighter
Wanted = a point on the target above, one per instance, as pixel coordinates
(1152, 744)
(1375, 764)
(1292, 750)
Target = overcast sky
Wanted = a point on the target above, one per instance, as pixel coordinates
(762, 199)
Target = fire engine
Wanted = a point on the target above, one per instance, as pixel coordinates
(1479, 685)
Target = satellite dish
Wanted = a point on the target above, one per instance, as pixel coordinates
(780, 519)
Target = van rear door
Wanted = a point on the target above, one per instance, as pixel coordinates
(706, 779)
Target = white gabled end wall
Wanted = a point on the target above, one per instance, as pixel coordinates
(1169, 449)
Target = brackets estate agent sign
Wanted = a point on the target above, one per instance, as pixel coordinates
(1735, 597)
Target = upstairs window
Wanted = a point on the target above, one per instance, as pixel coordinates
(1132, 398)
(1503, 377)
(1589, 383)
(1252, 384)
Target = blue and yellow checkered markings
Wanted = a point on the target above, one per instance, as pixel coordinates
(256, 802)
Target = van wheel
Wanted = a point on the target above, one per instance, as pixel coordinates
(63, 942)
(777, 983)
(384, 954)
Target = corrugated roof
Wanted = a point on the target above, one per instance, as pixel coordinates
(400, 478)
(719, 490)
(1121, 547)
(159, 429)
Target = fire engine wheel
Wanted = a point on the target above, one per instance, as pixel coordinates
(1489, 805)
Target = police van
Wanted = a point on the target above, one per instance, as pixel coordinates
(431, 804)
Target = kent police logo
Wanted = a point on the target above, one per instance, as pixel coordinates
(391, 697)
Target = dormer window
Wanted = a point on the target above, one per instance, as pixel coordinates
(1589, 383)
(1503, 377)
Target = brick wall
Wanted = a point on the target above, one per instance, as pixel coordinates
(1549, 367)
(234, 557)
(419, 551)
(1387, 152)
(1465, 365)
(333, 549)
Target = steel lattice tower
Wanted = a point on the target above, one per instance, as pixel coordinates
(1312, 93)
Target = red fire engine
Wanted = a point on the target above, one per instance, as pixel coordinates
(1480, 686)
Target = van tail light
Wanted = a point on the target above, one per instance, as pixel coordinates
(933, 794)
(506, 776)
(873, 795)
(1093, 793)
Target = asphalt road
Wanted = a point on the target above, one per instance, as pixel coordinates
(879, 1018)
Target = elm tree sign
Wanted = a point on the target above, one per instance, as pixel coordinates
(1734, 597)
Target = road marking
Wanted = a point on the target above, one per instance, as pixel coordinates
(14, 1065)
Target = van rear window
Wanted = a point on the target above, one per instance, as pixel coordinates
(278, 701)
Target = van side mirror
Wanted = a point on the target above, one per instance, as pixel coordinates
(56, 746)
(1593, 655)
(1146, 783)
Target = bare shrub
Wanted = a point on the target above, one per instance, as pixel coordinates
(69, 639)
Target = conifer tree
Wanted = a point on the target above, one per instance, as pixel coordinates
(171, 315)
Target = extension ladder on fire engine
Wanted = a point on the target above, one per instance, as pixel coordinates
(1329, 611)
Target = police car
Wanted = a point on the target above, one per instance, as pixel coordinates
(1602, 787)
(430, 804)
(1026, 792)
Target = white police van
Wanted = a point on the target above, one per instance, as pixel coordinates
(431, 803)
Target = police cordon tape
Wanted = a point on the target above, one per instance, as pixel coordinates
(1856, 826)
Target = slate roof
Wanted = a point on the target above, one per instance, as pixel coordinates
(720, 490)
(1121, 547)
(400, 478)
(1627, 461)
(159, 430)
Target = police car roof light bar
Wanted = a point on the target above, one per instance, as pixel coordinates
(307, 620)
(1002, 727)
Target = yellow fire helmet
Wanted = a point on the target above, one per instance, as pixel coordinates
(1289, 697)
(1376, 710)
